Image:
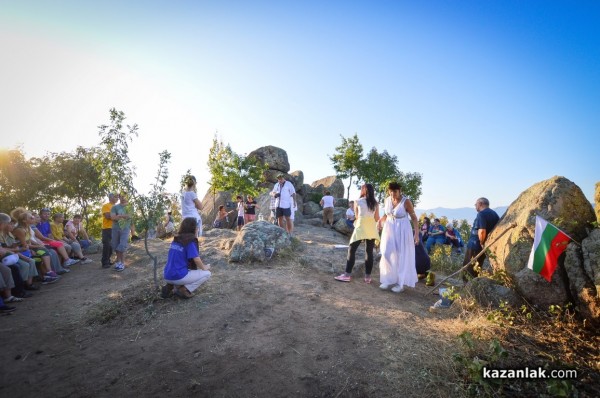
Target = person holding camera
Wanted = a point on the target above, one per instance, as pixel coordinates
(285, 196)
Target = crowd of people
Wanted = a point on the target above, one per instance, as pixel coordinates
(396, 228)
(37, 249)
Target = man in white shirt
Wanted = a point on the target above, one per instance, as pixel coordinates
(285, 194)
(327, 203)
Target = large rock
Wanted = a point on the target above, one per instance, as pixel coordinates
(342, 227)
(582, 265)
(210, 208)
(489, 293)
(275, 158)
(311, 209)
(331, 184)
(254, 238)
(297, 178)
(557, 200)
(339, 213)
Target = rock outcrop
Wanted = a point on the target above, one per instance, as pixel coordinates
(597, 201)
(275, 158)
(331, 184)
(489, 293)
(254, 238)
(560, 202)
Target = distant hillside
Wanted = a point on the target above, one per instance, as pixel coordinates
(467, 213)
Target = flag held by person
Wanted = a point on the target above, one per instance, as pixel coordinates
(548, 244)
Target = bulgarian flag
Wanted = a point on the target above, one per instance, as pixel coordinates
(549, 243)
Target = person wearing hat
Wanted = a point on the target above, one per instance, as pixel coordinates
(107, 229)
(285, 196)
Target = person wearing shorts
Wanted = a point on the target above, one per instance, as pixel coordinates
(121, 215)
(240, 212)
(285, 194)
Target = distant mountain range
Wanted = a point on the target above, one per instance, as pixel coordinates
(466, 213)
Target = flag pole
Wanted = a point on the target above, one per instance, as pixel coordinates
(483, 250)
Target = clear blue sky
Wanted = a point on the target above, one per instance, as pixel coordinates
(484, 98)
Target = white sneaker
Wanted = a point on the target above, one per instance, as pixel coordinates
(86, 260)
(119, 267)
(70, 262)
(384, 286)
(397, 289)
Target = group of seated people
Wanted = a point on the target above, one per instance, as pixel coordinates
(435, 233)
(36, 251)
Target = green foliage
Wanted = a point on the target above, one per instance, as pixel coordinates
(113, 163)
(503, 316)
(474, 362)
(21, 181)
(378, 169)
(232, 172)
(443, 260)
(347, 159)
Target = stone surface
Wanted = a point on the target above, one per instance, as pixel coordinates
(489, 293)
(210, 208)
(310, 209)
(249, 246)
(597, 202)
(331, 183)
(275, 158)
(558, 201)
(580, 264)
(342, 227)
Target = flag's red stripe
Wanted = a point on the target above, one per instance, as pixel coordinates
(557, 247)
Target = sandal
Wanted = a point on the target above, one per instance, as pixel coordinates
(368, 279)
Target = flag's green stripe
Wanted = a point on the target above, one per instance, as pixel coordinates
(539, 257)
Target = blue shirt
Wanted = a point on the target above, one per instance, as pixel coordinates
(177, 260)
(44, 228)
(486, 219)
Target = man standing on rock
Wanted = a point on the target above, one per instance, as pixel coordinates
(485, 221)
(285, 194)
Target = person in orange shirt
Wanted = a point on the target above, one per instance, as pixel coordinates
(107, 229)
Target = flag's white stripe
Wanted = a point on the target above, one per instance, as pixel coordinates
(540, 226)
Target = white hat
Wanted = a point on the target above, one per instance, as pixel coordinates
(10, 259)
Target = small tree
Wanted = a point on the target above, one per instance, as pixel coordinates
(347, 159)
(232, 172)
(377, 169)
(152, 206)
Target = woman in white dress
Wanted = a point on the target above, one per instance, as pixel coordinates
(398, 240)
(190, 204)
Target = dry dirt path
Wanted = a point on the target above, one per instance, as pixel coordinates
(281, 329)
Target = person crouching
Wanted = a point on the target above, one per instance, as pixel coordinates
(185, 271)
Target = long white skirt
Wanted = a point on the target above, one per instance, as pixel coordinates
(397, 264)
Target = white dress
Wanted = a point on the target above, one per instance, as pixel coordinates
(397, 264)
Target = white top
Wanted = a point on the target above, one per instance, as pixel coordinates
(350, 214)
(188, 207)
(286, 191)
(327, 201)
(240, 209)
(363, 209)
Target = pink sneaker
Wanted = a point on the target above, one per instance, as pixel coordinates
(343, 278)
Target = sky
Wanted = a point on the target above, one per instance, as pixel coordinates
(483, 98)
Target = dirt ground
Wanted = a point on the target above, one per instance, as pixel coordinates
(284, 328)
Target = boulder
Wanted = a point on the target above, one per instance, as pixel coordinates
(275, 158)
(341, 202)
(271, 177)
(297, 178)
(582, 266)
(310, 209)
(210, 208)
(342, 227)
(558, 201)
(339, 213)
(489, 293)
(254, 238)
(331, 184)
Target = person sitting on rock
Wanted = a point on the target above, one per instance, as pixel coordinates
(350, 216)
(437, 235)
(184, 271)
(222, 220)
(453, 238)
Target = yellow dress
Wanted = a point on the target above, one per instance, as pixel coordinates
(365, 226)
